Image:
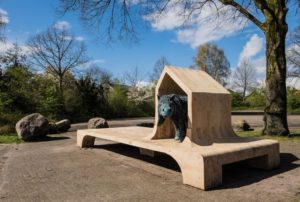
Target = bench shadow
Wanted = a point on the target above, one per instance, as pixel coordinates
(235, 175)
(241, 174)
(162, 160)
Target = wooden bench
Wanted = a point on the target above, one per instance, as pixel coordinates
(210, 142)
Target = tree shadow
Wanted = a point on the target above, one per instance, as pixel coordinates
(234, 175)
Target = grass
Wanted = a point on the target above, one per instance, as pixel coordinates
(10, 138)
(293, 137)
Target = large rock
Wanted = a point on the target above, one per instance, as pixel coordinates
(97, 123)
(241, 125)
(52, 129)
(32, 127)
(63, 125)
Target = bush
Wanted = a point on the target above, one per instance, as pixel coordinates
(293, 96)
(237, 100)
(257, 98)
(8, 122)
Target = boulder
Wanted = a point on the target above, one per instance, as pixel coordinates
(52, 129)
(97, 123)
(63, 125)
(241, 125)
(31, 127)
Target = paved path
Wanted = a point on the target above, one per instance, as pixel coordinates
(57, 170)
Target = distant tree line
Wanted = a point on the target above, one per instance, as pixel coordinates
(59, 91)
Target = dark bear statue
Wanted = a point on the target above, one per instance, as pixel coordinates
(175, 107)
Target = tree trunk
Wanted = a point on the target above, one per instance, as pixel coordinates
(275, 28)
(60, 84)
(244, 95)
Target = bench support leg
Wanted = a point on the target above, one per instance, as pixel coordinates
(268, 161)
(199, 172)
(85, 141)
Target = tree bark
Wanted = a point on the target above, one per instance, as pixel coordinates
(60, 84)
(275, 29)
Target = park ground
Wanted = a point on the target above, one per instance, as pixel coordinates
(58, 170)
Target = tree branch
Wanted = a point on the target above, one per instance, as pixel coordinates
(244, 11)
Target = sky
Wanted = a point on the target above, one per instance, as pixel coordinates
(163, 37)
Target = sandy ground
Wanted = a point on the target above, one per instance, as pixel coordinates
(57, 170)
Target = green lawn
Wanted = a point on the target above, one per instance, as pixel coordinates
(10, 138)
(293, 137)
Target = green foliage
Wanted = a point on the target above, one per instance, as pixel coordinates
(10, 138)
(293, 97)
(16, 90)
(236, 99)
(91, 97)
(118, 101)
(294, 136)
(257, 98)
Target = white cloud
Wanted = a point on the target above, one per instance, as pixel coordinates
(79, 38)
(3, 16)
(5, 46)
(167, 20)
(252, 48)
(62, 25)
(213, 22)
(143, 84)
(259, 65)
(67, 38)
(293, 82)
(93, 62)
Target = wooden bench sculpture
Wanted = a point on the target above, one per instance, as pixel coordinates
(210, 141)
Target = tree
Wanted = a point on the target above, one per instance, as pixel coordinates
(244, 77)
(16, 93)
(57, 52)
(269, 16)
(158, 68)
(293, 53)
(14, 56)
(212, 60)
(133, 77)
(93, 102)
(3, 22)
(101, 77)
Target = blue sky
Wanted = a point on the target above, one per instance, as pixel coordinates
(163, 38)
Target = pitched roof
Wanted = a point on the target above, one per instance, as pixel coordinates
(191, 80)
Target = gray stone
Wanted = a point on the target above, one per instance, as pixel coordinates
(31, 127)
(52, 128)
(63, 125)
(97, 123)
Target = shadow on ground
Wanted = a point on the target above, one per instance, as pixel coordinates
(234, 175)
(240, 174)
(50, 138)
(162, 160)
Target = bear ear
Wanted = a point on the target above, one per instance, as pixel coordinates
(173, 97)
